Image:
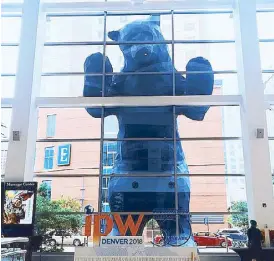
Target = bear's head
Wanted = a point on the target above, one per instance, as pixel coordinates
(146, 53)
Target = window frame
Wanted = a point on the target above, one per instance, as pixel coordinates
(135, 101)
(48, 158)
(51, 130)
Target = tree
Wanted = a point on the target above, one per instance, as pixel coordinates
(238, 219)
(54, 215)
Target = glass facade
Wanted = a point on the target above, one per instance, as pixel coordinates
(131, 155)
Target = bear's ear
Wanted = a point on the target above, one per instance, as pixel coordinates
(114, 35)
(155, 19)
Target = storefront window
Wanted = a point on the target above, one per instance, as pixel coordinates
(178, 169)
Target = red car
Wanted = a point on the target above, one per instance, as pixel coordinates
(202, 239)
(211, 239)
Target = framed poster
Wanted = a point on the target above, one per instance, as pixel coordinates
(18, 208)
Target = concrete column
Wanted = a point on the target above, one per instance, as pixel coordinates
(256, 150)
(21, 153)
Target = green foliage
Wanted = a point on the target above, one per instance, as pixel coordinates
(57, 215)
(241, 219)
(42, 191)
(152, 224)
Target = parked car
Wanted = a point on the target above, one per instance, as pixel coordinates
(159, 240)
(211, 239)
(202, 239)
(234, 234)
(55, 238)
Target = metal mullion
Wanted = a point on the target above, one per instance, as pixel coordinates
(11, 15)
(85, 7)
(111, 13)
(75, 14)
(143, 139)
(9, 44)
(102, 118)
(144, 213)
(145, 101)
(8, 74)
(270, 10)
(46, 74)
(203, 12)
(7, 102)
(159, 175)
(268, 40)
(174, 130)
(140, 42)
(267, 71)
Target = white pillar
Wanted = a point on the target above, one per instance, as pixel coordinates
(21, 154)
(256, 150)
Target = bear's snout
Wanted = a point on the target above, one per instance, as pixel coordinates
(141, 52)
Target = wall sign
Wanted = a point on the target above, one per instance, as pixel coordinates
(64, 155)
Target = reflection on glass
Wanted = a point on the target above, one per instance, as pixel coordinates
(9, 59)
(75, 28)
(215, 53)
(267, 56)
(142, 156)
(10, 29)
(268, 80)
(264, 19)
(7, 87)
(203, 27)
(270, 129)
(67, 59)
(5, 133)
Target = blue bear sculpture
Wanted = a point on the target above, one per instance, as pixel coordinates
(151, 162)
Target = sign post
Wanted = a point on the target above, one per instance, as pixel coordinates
(206, 222)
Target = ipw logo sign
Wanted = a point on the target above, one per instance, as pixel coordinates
(108, 221)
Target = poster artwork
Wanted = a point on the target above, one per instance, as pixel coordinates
(18, 207)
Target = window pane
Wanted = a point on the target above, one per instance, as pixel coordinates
(9, 59)
(75, 29)
(51, 125)
(267, 56)
(215, 194)
(203, 27)
(7, 87)
(74, 123)
(11, 29)
(139, 122)
(212, 157)
(49, 158)
(270, 121)
(115, 55)
(46, 186)
(84, 158)
(270, 128)
(264, 20)
(56, 68)
(67, 58)
(212, 52)
(268, 80)
(217, 122)
(5, 122)
(119, 21)
(5, 135)
(82, 191)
